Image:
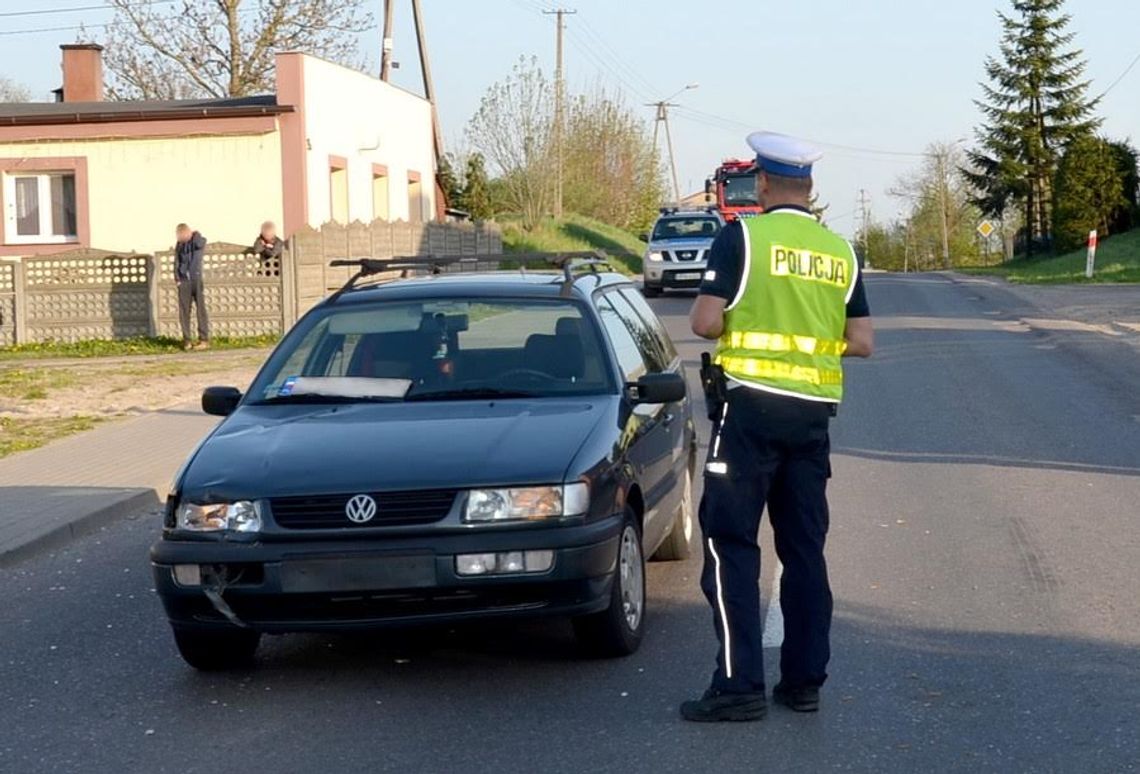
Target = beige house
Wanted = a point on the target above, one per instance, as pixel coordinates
(332, 144)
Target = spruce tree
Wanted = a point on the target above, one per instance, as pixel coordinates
(1035, 104)
(1089, 191)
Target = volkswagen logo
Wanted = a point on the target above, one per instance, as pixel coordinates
(360, 509)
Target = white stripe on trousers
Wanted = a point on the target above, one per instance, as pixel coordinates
(723, 615)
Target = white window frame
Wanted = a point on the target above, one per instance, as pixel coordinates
(45, 206)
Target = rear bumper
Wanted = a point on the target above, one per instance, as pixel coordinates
(421, 586)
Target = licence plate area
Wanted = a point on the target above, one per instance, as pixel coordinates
(357, 573)
(687, 276)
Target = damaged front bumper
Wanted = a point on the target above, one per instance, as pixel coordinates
(356, 584)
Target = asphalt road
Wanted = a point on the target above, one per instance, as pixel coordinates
(983, 556)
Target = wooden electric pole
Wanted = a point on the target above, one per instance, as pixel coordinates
(559, 102)
(429, 88)
(386, 42)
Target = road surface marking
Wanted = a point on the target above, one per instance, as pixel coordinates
(774, 621)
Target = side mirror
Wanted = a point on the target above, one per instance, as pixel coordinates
(657, 388)
(220, 401)
(644, 236)
(708, 187)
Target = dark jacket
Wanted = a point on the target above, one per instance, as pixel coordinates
(188, 257)
(266, 250)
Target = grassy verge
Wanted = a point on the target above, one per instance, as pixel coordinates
(574, 233)
(158, 345)
(32, 383)
(1117, 260)
(17, 435)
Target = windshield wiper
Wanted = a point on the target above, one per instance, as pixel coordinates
(312, 397)
(471, 393)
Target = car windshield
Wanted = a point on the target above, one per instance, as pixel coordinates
(740, 190)
(686, 228)
(445, 349)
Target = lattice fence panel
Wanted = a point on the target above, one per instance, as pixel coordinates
(77, 296)
(7, 304)
(243, 293)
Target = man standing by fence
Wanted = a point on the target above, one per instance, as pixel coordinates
(189, 254)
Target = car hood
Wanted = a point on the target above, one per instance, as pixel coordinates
(681, 244)
(273, 451)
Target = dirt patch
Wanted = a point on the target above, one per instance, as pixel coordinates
(104, 388)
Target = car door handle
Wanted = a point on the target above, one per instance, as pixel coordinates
(667, 418)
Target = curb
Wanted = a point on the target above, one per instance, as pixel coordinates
(86, 524)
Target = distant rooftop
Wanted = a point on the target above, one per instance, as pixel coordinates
(25, 113)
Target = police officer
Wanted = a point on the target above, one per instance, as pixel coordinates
(784, 299)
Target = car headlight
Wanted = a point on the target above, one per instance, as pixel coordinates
(654, 257)
(241, 516)
(532, 503)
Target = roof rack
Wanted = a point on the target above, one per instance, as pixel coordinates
(569, 263)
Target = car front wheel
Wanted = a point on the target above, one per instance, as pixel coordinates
(212, 650)
(650, 291)
(617, 630)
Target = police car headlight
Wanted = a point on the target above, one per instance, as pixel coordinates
(526, 504)
(655, 257)
(241, 516)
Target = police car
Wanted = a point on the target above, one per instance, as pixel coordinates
(437, 448)
(678, 249)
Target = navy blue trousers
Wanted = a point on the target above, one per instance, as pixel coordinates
(767, 450)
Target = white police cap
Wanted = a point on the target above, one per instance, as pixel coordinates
(783, 155)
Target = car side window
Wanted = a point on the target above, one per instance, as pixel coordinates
(630, 359)
(645, 338)
(660, 335)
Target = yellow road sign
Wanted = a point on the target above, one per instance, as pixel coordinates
(986, 228)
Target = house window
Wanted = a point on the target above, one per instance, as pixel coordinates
(415, 198)
(380, 207)
(40, 208)
(338, 189)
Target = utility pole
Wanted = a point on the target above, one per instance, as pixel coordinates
(386, 42)
(940, 159)
(429, 94)
(662, 117)
(864, 203)
(559, 101)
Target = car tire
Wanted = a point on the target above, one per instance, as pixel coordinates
(617, 630)
(677, 544)
(213, 650)
(650, 291)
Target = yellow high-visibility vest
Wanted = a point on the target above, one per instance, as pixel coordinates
(784, 330)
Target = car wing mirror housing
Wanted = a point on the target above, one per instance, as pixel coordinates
(220, 401)
(657, 388)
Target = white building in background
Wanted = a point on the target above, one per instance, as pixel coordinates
(331, 144)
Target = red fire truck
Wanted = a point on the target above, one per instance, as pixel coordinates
(735, 185)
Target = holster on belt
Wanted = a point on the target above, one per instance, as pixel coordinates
(715, 386)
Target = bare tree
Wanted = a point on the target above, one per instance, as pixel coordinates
(512, 129)
(11, 91)
(222, 48)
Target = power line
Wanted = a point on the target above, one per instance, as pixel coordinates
(55, 29)
(76, 9)
(1123, 75)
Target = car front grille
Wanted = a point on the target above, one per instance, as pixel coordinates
(392, 508)
(687, 255)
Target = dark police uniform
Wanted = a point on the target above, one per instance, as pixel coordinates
(770, 447)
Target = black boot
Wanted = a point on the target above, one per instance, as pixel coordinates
(802, 699)
(715, 707)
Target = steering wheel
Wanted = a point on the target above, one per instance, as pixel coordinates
(527, 372)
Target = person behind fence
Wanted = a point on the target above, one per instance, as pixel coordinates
(268, 246)
(189, 254)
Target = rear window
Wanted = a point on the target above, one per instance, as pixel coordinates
(447, 346)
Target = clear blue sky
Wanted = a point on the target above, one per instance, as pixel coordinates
(878, 75)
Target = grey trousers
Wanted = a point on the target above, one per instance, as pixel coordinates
(192, 291)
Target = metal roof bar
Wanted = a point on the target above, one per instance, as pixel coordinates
(568, 262)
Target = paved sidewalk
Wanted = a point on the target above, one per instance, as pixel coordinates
(73, 486)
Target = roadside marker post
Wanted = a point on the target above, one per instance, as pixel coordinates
(1090, 262)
